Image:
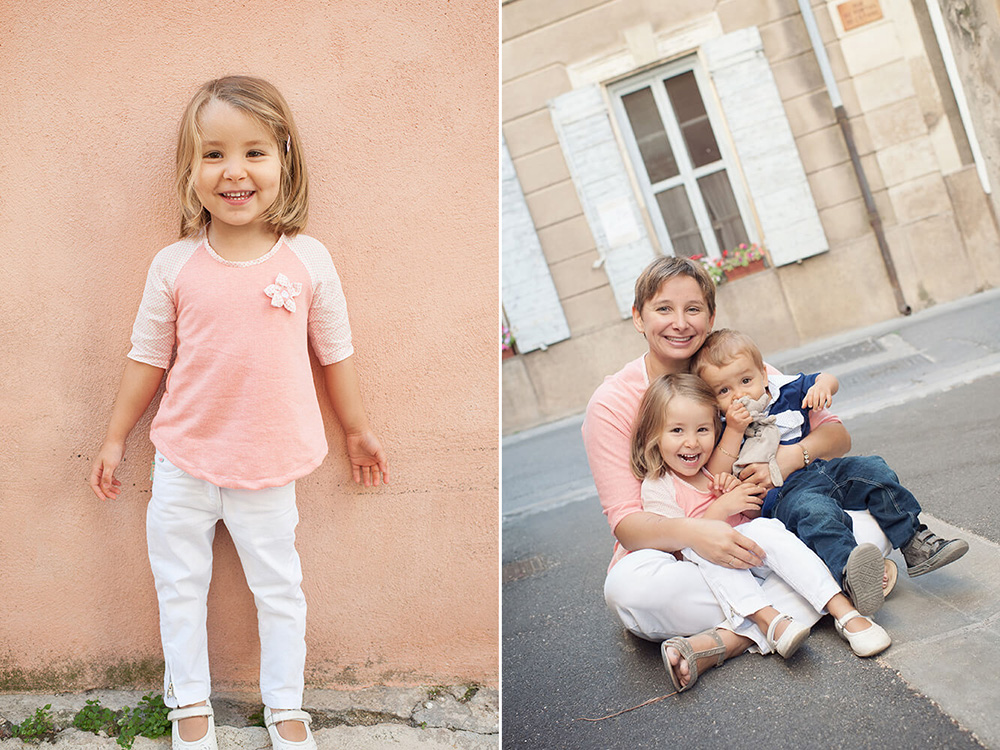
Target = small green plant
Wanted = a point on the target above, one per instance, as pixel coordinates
(38, 727)
(469, 694)
(96, 718)
(148, 719)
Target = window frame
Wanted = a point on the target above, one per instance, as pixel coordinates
(689, 175)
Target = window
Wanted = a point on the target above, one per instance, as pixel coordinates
(684, 170)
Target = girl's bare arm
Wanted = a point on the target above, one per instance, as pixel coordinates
(139, 384)
(368, 460)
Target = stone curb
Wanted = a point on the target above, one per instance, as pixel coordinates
(456, 716)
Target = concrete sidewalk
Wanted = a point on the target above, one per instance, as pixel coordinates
(425, 718)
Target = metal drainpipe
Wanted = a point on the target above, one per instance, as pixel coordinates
(845, 126)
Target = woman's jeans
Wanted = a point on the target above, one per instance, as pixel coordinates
(813, 500)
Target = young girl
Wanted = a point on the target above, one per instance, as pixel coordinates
(241, 295)
(674, 437)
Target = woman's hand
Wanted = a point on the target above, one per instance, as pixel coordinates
(720, 543)
(367, 458)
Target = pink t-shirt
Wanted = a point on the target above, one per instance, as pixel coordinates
(607, 438)
(240, 408)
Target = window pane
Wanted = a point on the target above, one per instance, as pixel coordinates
(680, 221)
(722, 210)
(647, 127)
(690, 110)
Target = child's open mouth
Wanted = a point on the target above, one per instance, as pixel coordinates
(689, 458)
(240, 196)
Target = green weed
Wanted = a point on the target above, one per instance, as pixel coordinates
(38, 727)
(148, 719)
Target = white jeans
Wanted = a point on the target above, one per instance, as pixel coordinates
(657, 596)
(180, 529)
(740, 591)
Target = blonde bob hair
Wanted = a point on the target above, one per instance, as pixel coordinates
(646, 459)
(265, 104)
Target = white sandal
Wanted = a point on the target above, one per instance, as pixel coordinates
(272, 718)
(793, 636)
(208, 742)
(868, 642)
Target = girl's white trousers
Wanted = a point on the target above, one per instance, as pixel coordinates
(180, 529)
(657, 596)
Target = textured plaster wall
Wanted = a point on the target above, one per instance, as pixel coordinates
(397, 105)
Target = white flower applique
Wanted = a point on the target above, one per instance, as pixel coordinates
(282, 292)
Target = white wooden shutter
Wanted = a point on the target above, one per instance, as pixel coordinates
(765, 146)
(530, 299)
(597, 167)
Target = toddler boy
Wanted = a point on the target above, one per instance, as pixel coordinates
(812, 501)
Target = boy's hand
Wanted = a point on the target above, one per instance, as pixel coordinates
(102, 474)
(738, 416)
(367, 458)
(818, 397)
(758, 474)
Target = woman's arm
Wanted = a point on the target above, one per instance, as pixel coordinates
(828, 440)
(716, 541)
(138, 386)
(368, 460)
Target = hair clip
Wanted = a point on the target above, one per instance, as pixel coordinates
(288, 143)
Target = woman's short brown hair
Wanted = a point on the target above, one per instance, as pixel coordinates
(667, 267)
(265, 104)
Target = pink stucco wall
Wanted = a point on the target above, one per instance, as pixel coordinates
(397, 104)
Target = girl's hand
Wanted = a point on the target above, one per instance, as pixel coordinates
(743, 498)
(720, 543)
(722, 483)
(102, 475)
(367, 459)
(758, 474)
(738, 416)
(818, 397)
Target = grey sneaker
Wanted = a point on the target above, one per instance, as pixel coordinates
(927, 551)
(862, 578)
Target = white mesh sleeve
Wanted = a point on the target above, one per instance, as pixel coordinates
(153, 330)
(329, 328)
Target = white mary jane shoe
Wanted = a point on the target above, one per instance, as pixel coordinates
(793, 636)
(868, 642)
(272, 718)
(208, 742)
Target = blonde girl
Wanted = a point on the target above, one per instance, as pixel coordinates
(240, 297)
(674, 437)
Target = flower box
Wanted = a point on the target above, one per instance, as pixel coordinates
(738, 272)
(734, 264)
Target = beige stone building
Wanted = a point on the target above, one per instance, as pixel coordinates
(849, 139)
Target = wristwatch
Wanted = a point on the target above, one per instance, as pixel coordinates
(805, 456)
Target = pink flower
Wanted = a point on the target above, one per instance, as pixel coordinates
(282, 292)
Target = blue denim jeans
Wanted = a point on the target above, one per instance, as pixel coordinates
(812, 501)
